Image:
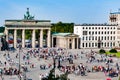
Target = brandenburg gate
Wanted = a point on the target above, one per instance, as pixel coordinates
(29, 23)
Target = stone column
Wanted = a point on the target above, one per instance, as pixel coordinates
(33, 38)
(77, 43)
(73, 43)
(48, 38)
(52, 41)
(68, 43)
(41, 38)
(15, 38)
(6, 33)
(23, 38)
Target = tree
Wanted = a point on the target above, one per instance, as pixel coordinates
(101, 51)
(62, 27)
(2, 29)
(113, 51)
(52, 76)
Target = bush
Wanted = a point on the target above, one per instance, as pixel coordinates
(113, 51)
(101, 51)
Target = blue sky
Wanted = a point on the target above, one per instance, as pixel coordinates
(77, 11)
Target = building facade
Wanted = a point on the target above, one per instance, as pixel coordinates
(114, 18)
(65, 40)
(29, 23)
(96, 35)
(100, 35)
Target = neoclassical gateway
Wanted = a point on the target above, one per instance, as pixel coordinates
(28, 23)
(18, 28)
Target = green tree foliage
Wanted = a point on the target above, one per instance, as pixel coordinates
(28, 34)
(62, 27)
(63, 77)
(101, 51)
(113, 51)
(52, 76)
(119, 78)
(2, 29)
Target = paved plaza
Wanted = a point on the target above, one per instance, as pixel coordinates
(33, 64)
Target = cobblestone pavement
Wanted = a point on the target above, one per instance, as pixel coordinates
(33, 73)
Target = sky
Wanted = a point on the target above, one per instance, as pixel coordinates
(68, 11)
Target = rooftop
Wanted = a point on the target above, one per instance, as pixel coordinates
(105, 24)
(60, 34)
(115, 13)
(65, 34)
(22, 20)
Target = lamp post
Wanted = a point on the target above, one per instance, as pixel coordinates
(54, 65)
(19, 60)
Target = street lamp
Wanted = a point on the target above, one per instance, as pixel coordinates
(19, 60)
(54, 64)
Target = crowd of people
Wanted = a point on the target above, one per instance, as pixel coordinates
(65, 61)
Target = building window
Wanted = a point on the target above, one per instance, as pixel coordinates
(111, 44)
(114, 32)
(96, 38)
(102, 38)
(83, 44)
(89, 38)
(86, 44)
(108, 32)
(89, 44)
(114, 44)
(105, 32)
(102, 32)
(92, 44)
(89, 33)
(83, 27)
(102, 27)
(89, 27)
(105, 27)
(99, 28)
(92, 32)
(96, 32)
(92, 38)
(95, 44)
(83, 38)
(92, 27)
(99, 38)
(111, 37)
(108, 44)
(86, 28)
(105, 37)
(99, 32)
(86, 38)
(84, 32)
(108, 38)
(111, 32)
(105, 44)
(95, 27)
(114, 38)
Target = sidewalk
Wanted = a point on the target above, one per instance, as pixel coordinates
(6, 77)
